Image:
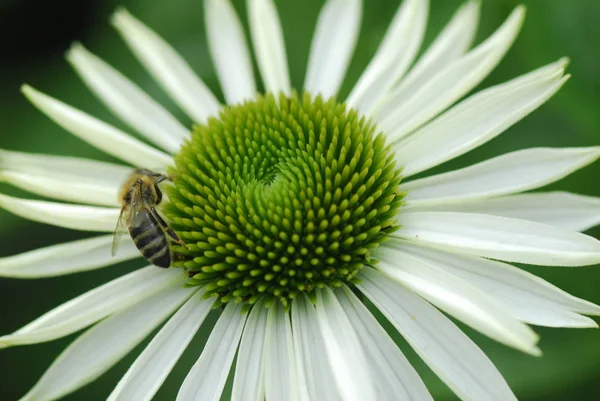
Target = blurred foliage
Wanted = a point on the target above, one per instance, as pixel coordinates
(36, 33)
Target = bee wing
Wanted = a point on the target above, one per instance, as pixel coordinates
(120, 229)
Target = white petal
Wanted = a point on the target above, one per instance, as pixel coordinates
(561, 209)
(346, 356)
(248, 380)
(102, 346)
(396, 378)
(332, 46)
(315, 378)
(510, 173)
(94, 305)
(68, 190)
(450, 84)
(454, 40)
(97, 133)
(66, 258)
(128, 101)
(394, 56)
(76, 217)
(151, 368)
(502, 238)
(65, 178)
(269, 47)
(229, 51)
(63, 167)
(206, 379)
(280, 362)
(442, 345)
(528, 297)
(478, 119)
(459, 299)
(167, 67)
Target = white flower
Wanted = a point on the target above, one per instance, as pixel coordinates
(457, 229)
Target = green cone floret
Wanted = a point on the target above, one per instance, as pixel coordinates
(276, 198)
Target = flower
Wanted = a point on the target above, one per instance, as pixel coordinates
(292, 209)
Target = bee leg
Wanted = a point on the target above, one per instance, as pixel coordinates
(175, 237)
(161, 179)
(167, 229)
(165, 178)
(159, 194)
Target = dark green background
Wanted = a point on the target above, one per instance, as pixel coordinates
(35, 34)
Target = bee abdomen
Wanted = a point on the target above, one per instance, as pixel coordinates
(151, 241)
(157, 251)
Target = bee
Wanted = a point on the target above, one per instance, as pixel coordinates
(139, 196)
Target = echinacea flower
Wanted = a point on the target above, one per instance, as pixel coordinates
(298, 206)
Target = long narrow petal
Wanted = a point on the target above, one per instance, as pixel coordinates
(501, 238)
(229, 51)
(248, 380)
(280, 361)
(332, 46)
(167, 67)
(478, 119)
(443, 346)
(63, 167)
(70, 190)
(76, 217)
(94, 305)
(102, 346)
(65, 178)
(394, 56)
(561, 209)
(397, 379)
(97, 133)
(269, 46)
(315, 378)
(128, 101)
(151, 368)
(454, 40)
(450, 84)
(461, 300)
(346, 356)
(206, 379)
(527, 296)
(66, 258)
(507, 174)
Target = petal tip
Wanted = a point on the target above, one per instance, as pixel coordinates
(121, 16)
(3, 199)
(75, 51)
(4, 343)
(591, 310)
(33, 95)
(521, 10)
(535, 351)
(584, 323)
(594, 151)
(27, 90)
(564, 62)
(516, 18)
(472, 8)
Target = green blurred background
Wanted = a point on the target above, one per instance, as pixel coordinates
(35, 34)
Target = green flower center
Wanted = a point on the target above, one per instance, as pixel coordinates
(279, 197)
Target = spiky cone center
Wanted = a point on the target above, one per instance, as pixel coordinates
(278, 197)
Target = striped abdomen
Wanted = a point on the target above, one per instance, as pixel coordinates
(150, 239)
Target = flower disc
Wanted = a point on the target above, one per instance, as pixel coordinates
(281, 196)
